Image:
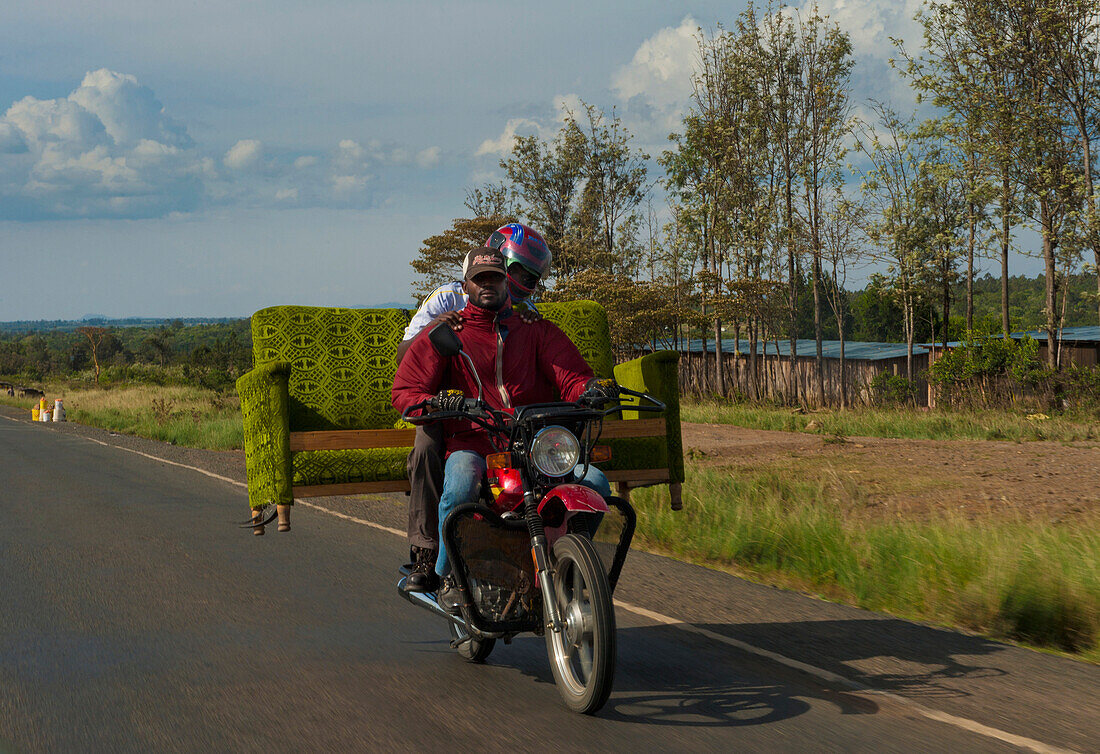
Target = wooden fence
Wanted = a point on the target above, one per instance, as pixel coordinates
(781, 381)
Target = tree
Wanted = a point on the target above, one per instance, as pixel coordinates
(890, 186)
(1074, 39)
(547, 176)
(95, 336)
(825, 54)
(844, 220)
(615, 182)
(941, 202)
(582, 189)
(966, 71)
(784, 95)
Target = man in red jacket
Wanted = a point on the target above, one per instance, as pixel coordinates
(518, 362)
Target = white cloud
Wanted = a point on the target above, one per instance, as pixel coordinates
(428, 158)
(871, 23)
(128, 111)
(60, 123)
(654, 88)
(502, 145)
(661, 69)
(346, 184)
(244, 154)
(350, 150)
(109, 149)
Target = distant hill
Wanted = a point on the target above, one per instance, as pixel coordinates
(68, 325)
(96, 320)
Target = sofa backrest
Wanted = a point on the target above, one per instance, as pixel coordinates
(343, 360)
(585, 323)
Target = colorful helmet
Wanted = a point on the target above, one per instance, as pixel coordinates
(522, 246)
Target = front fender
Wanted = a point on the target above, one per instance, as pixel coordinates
(575, 498)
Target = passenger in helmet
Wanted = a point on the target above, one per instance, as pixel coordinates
(527, 260)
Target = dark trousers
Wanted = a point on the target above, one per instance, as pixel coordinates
(425, 467)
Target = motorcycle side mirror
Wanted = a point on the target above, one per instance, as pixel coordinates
(446, 344)
(444, 340)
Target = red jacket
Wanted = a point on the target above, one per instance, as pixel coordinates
(518, 363)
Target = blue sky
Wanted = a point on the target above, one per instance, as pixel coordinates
(212, 158)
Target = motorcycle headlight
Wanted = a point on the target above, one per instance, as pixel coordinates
(555, 451)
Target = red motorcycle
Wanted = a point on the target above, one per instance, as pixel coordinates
(522, 557)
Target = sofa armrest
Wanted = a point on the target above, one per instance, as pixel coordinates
(658, 374)
(265, 408)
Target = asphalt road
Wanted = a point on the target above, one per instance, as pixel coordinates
(133, 617)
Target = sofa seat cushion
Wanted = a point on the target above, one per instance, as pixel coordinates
(314, 467)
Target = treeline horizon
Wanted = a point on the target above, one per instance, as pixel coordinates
(215, 351)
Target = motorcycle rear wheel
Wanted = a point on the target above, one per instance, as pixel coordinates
(474, 650)
(582, 655)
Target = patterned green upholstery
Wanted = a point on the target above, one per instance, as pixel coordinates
(323, 368)
(343, 362)
(344, 466)
(584, 323)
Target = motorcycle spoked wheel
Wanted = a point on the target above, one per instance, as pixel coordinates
(582, 655)
(474, 650)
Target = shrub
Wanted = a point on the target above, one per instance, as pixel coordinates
(991, 371)
(892, 390)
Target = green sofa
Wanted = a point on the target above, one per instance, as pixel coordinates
(318, 420)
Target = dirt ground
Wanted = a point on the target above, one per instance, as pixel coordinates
(1049, 481)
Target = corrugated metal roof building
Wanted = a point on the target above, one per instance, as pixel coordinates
(778, 378)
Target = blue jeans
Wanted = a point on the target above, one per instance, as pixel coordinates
(462, 477)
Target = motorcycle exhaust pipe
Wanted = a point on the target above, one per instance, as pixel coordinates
(425, 600)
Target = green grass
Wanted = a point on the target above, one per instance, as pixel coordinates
(192, 416)
(1034, 582)
(906, 423)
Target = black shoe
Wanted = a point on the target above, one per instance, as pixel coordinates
(448, 595)
(422, 577)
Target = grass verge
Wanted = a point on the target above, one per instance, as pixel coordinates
(191, 416)
(1033, 582)
(905, 423)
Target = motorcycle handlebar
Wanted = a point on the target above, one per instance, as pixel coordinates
(652, 404)
(472, 410)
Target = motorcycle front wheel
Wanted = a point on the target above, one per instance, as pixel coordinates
(582, 655)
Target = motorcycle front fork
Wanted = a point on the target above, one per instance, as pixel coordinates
(543, 572)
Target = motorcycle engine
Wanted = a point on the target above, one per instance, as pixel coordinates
(502, 602)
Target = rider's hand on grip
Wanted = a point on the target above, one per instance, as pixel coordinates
(449, 400)
(600, 391)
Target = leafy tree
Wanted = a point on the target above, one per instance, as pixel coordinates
(966, 71)
(895, 155)
(825, 54)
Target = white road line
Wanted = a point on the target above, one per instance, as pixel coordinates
(819, 673)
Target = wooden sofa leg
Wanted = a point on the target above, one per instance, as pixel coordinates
(284, 517)
(623, 488)
(674, 492)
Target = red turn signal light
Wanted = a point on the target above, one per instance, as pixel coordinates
(599, 454)
(499, 461)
